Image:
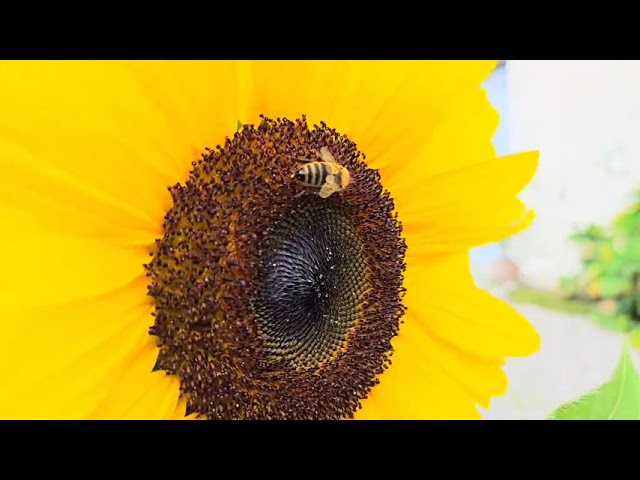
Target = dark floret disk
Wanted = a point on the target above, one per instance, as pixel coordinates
(270, 304)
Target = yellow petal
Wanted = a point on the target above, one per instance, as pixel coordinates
(451, 346)
(291, 88)
(413, 388)
(158, 400)
(462, 226)
(462, 138)
(388, 108)
(181, 408)
(467, 318)
(481, 378)
(197, 99)
(369, 411)
(448, 271)
(469, 207)
(139, 393)
(40, 195)
(496, 179)
(61, 362)
(66, 135)
(44, 268)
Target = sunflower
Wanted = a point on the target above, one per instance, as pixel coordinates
(162, 259)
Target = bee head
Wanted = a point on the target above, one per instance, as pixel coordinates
(300, 175)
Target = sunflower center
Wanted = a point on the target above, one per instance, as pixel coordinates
(310, 282)
(276, 299)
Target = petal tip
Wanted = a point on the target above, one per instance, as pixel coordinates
(524, 222)
(529, 341)
(529, 161)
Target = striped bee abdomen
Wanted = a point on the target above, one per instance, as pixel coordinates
(313, 174)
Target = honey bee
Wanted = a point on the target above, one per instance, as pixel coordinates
(325, 174)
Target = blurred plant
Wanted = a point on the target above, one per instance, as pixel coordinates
(610, 272)
(616, 399)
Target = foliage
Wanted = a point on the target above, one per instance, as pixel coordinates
(617, 399)
(551, 301)
(610, 280)
(610, 273)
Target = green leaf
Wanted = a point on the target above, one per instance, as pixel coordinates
(610, 286)
(567, 286)
(614, 321)
(617, 399)
(634, 337)
(593, 232)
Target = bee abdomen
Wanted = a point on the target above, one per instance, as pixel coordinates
(316, 174)
(323, 171)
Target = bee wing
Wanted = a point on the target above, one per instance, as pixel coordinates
(301, 160)
(326, 155)
(330, 186)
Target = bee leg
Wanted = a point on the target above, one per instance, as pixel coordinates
(301, 160)
(330, 187)
(304, 160)
(299, 194)
(325, 192)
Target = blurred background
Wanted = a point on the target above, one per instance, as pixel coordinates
(575, 273)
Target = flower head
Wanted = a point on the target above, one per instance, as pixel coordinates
(165, 256)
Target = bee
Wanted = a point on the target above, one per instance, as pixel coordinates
(325, 174)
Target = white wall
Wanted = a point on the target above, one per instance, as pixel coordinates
(584, 117)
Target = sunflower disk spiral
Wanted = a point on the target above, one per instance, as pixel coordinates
(270, 305)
